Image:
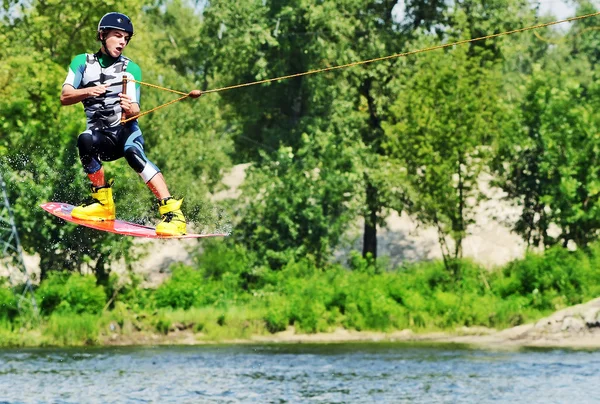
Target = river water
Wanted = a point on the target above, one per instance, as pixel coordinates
(334, 373)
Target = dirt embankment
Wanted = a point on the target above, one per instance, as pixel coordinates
(573, 327)
(576, 327)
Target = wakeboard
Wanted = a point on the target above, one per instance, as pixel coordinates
(63, 211)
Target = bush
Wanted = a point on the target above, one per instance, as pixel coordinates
(181, 290)
(370, 306)
(129, 292)
(308, 300)
(69, 330)
(162, 325)
(220, 258)
(49, 294)
(553, 280)
(8, 304)
(72, 293)
(188, 288)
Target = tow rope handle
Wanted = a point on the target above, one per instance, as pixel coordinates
(124, 91)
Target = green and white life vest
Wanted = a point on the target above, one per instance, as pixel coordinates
(92, 69)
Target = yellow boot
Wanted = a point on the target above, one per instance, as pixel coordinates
(173, 221)
(103, 207)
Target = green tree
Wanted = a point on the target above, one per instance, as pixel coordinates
(356, 31)
(447, 113)
(549, 166)
(546, 163)
(301, 202)
(584, 37)
(272, 39)
(61, 29)
(38, 137)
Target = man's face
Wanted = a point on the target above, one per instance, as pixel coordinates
(116, 41)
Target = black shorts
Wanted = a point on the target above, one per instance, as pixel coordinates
(98, 145)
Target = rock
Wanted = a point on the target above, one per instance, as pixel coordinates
(516, 333)
(573, 325)
(177, 327)
(475, 331)
(592, 318)
(549, 325)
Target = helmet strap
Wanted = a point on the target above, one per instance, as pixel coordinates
(102, 39)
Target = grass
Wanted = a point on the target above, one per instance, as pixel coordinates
(69, 330)
(215, 324)
(219, 305)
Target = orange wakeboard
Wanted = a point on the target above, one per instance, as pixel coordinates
(63, 211)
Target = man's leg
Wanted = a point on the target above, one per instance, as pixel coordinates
(97, 178)
(102, 207)
(158, 186)
(173, 222)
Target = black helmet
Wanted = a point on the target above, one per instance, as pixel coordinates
(116, 21)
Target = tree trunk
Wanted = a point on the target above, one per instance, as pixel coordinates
(370, 231)
(43, 268)
(459, 225)
(373, 138)
(101, 273)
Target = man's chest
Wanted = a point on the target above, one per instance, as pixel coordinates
(95, 74)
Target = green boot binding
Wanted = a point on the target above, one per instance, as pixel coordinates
(173, 221)
(103, 207)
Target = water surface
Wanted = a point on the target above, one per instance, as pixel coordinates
(334, 373)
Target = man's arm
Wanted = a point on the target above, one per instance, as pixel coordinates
(71, 95)
(130, 108)
(130, 101)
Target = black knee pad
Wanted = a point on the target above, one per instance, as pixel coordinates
(135, 158)
(85, 144)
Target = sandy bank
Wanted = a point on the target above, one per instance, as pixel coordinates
(576, 327)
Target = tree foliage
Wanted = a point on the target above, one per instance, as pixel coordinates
(549, 163)
(302, 198)
(38, 136)
(445, 117)
(325, 151)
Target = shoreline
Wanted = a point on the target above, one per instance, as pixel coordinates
(520, 337)
(575, 327)
(476, 338)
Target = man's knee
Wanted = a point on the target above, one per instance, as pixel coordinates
(135, 159)
(138, 161)
(85, 143)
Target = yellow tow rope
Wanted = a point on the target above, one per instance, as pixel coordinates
(197, 93)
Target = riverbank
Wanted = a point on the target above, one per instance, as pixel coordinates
(223, 299)
(576, 327)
